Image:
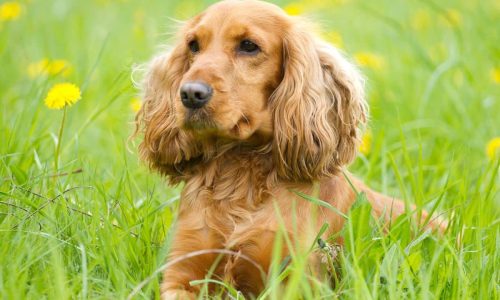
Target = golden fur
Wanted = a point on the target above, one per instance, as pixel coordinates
(286, 119)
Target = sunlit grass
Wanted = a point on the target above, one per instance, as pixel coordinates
(99, 224)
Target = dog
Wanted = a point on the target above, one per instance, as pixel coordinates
(249, 110)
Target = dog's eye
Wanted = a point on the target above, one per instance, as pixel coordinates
(248, 47)
(194, 46)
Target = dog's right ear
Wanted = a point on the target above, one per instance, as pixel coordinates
(166, 147)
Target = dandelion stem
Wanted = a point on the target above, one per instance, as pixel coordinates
(59, 139)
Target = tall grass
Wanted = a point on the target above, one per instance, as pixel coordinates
(100, 224)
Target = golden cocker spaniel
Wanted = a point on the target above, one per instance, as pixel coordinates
(247, 109)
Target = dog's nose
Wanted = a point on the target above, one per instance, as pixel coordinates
(195, 94)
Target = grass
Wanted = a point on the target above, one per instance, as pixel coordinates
(100, 224)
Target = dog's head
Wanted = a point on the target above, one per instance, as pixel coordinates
(244, 72)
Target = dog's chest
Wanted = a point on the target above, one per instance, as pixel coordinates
(227, 193)
(222, 209)
(226, 201)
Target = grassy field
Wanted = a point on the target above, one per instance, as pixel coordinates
(98, 226)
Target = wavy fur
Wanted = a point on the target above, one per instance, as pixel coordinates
(284, 119)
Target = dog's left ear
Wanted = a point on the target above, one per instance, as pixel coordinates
(317, 109)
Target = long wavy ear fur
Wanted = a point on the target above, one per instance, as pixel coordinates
(317, 109)
(167, 148)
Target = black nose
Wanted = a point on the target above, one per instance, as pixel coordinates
(195, 94)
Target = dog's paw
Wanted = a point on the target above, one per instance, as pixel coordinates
(177, 295)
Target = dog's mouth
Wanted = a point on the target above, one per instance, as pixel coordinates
(199, 120)
(203, 125)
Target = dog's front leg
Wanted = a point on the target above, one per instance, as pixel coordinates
(190, 257)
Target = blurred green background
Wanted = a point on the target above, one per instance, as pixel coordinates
(100, 226)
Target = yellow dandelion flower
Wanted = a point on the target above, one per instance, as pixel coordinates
(421, 20)
(10, 11)
(366, 143)
(495, 75)
(38, 68)
(46, 67)
(369, 60)
(493, 148)
(438, 51)
(139, 16)
(59, 66)
(294, 9)
(335, 38)
(453, 18)
(135, 104)
(62, 94)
